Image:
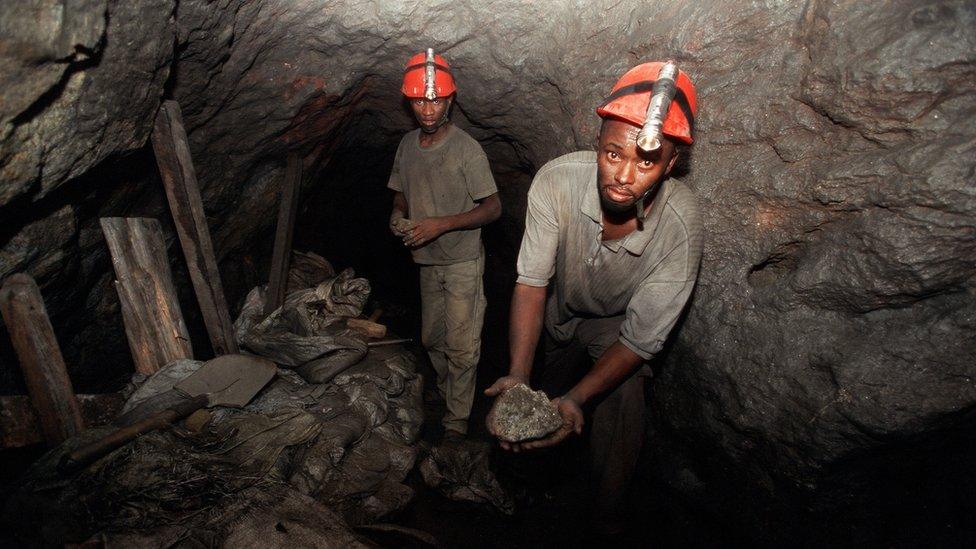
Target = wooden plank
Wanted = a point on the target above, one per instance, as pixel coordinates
(154, 323)
(20, 426)
(284, 231)
(40, 358)
(183, 193)
(368, 328)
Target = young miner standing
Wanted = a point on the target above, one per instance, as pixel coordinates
(445, 193)
(619, 243)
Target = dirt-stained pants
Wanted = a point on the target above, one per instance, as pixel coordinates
(452, 312)
(617, 420)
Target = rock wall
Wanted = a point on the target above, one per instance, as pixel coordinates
(833, 324)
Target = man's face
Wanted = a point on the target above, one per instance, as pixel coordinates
(430, 112)
(625, 172)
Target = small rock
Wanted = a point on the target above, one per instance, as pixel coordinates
(521, 414)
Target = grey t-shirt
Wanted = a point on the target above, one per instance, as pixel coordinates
(647, 275)
(445, 179)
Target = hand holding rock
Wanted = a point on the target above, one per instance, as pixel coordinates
(521, 414)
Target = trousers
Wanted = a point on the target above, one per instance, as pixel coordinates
(452, 313)
(616, 421)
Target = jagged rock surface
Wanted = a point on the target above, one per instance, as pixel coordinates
(521, 414)
(834, 317)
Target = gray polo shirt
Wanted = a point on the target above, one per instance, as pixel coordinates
(647, 275)
(445, 179)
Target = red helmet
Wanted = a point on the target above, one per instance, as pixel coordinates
(415, 77)
(631, 94)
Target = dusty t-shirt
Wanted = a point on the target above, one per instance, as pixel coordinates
(444, 179)
(647, 276)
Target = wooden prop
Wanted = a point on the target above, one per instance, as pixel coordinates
(183, 193)
(20, 425)
(369, 327)
(154, 323)
(284, 232)
(40, 358)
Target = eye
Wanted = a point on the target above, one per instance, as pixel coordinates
(612, 155)
(646, 164)
(436, 101)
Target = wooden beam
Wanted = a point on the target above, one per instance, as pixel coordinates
(20, 425)
(154, 323)
(40, 358)
(183, 193)
(284, 231)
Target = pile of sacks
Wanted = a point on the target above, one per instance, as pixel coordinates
(325, 447)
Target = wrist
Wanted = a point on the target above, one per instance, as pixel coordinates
(521, 374)
(444, 224)
(573, 396)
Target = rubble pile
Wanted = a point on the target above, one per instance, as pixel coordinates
(308, 459)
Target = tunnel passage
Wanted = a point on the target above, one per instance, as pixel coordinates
(828, 344)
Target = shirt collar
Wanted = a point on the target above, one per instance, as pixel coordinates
(637, 241)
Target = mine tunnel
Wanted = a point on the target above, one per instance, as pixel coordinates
(814, 388)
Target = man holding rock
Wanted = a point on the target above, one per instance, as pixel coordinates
(620, 245)
(444, 193)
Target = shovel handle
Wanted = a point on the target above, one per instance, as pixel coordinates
(87, 454)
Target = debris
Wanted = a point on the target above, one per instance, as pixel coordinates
(305, 333)
(521, 414)
(460, 470)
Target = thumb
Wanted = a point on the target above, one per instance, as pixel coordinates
(494, 389)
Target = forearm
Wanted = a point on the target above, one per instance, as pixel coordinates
(613, 367)
(399, 206)
(525, 321)
(484, 213)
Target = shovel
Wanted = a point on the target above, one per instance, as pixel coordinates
(228, 380)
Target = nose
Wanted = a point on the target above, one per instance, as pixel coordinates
(626, 173)
(428, 108)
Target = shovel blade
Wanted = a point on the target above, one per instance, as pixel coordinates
(230, 380)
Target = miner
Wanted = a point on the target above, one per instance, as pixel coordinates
(445, 193)
(608, 260)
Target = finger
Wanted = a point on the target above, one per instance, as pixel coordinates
(552, 439)
(505, 445)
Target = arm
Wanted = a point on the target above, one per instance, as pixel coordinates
(525, 325)
(614, 366)
(487, 210)
(399, 212)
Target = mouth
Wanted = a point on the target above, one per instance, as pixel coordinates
(618, 193)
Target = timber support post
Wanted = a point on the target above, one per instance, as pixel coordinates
(183, 193)
(153, 320)
(40, 357)
(284, 233)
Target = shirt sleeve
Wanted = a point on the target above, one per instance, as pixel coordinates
(537, 256)
(655, 307)
(396, 183)
(477, 174)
